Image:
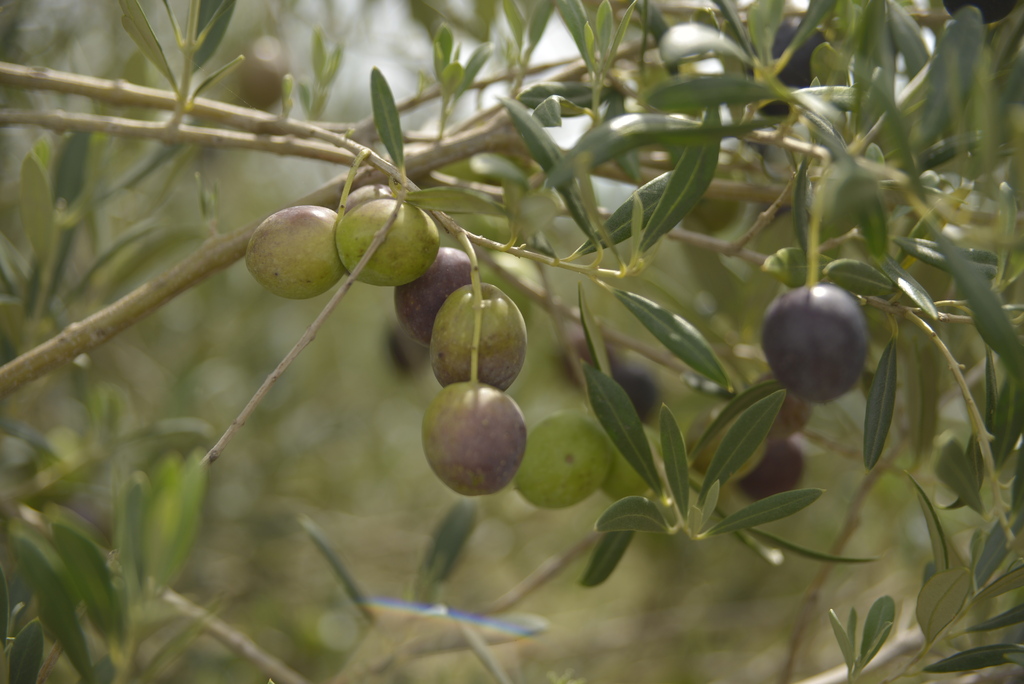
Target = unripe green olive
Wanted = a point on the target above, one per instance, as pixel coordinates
(292, 252)
(622, 479)
(260, 75)
(502, 349)
(567, 459)
(406, 252)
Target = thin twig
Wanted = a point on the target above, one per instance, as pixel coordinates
(547, 571)
(181, 134)
(716, 245)
(307, 337)
(236, 641)
(764, 218)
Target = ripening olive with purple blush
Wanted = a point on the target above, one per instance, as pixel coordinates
(474, 437)
(417, 303)
(816, 341)
(779, 470)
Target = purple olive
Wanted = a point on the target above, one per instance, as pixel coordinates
(418, 302)
(816, 341)
(779, 470)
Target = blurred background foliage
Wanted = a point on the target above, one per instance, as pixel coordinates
(337, 441)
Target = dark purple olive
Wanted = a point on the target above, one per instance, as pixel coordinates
(797, 72)
(778, 471)
(991, 10)
(418, 302)
(816, 341)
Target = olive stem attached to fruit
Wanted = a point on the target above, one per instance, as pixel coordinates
(478, 305)
(378, 239)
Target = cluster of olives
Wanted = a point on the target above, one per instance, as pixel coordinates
(303, 251)
(474, 434)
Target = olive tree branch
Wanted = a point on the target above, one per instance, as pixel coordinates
(181, 134)
(236, 641)
(219, 252)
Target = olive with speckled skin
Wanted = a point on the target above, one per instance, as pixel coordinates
(474, 437)
(292, 252)
(567, 459)
(417, 303)
(816, 341)
(406, 252)
(502, 349)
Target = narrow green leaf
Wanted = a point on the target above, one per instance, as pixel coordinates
(37, 207)
(951, 74)
(737, 405)
(544, 151)
(579, 94)
(769, 509)
(549, 112)
(741, 441)
(1012, 579)
(446, 546)
(575, 18)
(978, 658)
(986, 262)
(910, 287)
(940, 600)
(515, 20)
(539, 21)
(619, 418)
(877, 626)
(605, 23)
(673, 453)
(451, 77)
(54, 594)
(935, 533)
(1013, 616)
(906, 35)
(689, 94)
(455, 200)
(620, 34)
(690, 179)
(859, 277)
(817, 10)
(214, 17)
(606, 556)
(618, 225)
(69, 179)
(624, 133)
(129, 532)
(443, 43)
(636, 513)
(805, 552)
(994, 550)
(677, 334)
(592, 334)
(986, 309)
(880, 406)
(137, 25)
(91, 576)
(738, 26)
(385, 117)
(476, 62)
(26, 655)
(692, 41)
(348, 582)
(957, 470)
(842, 638)
(219, 75)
